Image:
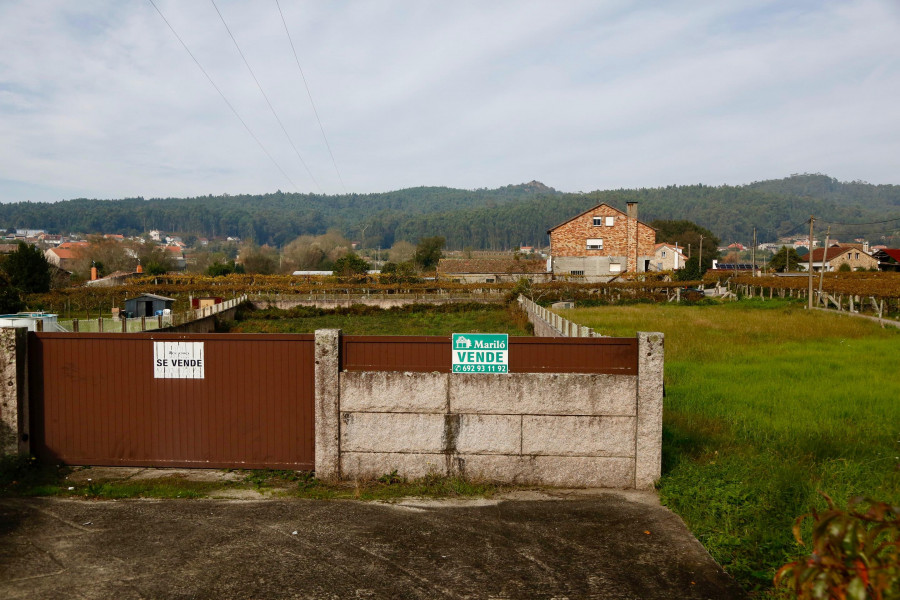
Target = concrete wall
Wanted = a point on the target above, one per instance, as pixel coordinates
(549, 324)
(14, 391)
(202, 325)
(565, 429)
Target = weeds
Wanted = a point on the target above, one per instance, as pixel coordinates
(413, 319)
(765, 405)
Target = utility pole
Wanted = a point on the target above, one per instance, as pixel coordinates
(809, 298)
(824, 259)
(700, 258)
(753, 252)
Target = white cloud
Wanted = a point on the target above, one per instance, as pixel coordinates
(98, 99)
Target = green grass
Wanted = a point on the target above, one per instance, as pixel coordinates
(766, 405)
(416, 319)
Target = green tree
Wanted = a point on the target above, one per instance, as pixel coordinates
(10, 298)
(350, 264)
(220, 269)
(781, 259)
(687, 234)
(428, 252)
(27, 269)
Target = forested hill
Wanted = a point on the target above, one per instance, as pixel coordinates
(500, 218)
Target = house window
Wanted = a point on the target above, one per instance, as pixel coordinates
(598, 221)
(615, 268)
(610, 221)
(664, 253)
(576, 272)
(489, 280)
(857, 256)
(594, 244)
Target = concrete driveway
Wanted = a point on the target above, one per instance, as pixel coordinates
(586, 545)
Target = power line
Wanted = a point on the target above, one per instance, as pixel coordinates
(272, 108)
(795, 228)
(309, 93)
(868, 223)
(213, 83)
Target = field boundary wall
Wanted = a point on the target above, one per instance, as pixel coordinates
(549, 324)
(551, 428)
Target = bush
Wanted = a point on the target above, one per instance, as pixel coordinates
(855, 554)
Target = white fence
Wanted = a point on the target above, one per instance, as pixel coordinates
(548, 323)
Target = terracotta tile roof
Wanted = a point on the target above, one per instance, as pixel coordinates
(65, 245)
(64, 253)
(892, 252)
(833, 253)
(487, 265)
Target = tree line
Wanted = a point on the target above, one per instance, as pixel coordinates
(502, 218)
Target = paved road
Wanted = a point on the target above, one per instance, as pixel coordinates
(602, 546)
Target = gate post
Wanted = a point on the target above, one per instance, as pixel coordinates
(14, 391)
(328, 404)
(648, 442)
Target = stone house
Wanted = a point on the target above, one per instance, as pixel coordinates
(601, 243)
(62, 258)
(836, 256)
(668, 257)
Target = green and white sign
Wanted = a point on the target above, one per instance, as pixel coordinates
(480, 352)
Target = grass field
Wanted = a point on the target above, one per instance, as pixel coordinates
(414, 319)
(766, 405)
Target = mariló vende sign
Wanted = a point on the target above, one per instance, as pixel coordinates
(480, 352)
(178, 360)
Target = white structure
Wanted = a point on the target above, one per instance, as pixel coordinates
(668, 257)
(30, 320)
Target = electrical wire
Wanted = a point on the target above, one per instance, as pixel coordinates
(230, 106)
(868, 223)
(795, 228)
(272, 108)
(309, 93)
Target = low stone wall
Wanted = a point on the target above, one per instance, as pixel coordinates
(564, 429)
(203, 325)
(386, 301)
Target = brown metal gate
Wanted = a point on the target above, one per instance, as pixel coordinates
(95, 401)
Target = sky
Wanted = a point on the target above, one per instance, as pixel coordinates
(99, 99)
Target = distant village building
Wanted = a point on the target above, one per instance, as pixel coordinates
(836, 256)
(601, 243)
(668, 257)
(61, 257)
(492, 270)
(888, 259)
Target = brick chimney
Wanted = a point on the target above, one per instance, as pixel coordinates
(140, 268)
(93, 273)
(631, 241)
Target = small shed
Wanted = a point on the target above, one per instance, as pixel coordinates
(204, 301)
(147, 305)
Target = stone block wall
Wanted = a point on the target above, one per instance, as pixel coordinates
(14, 391)
(565, 429)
